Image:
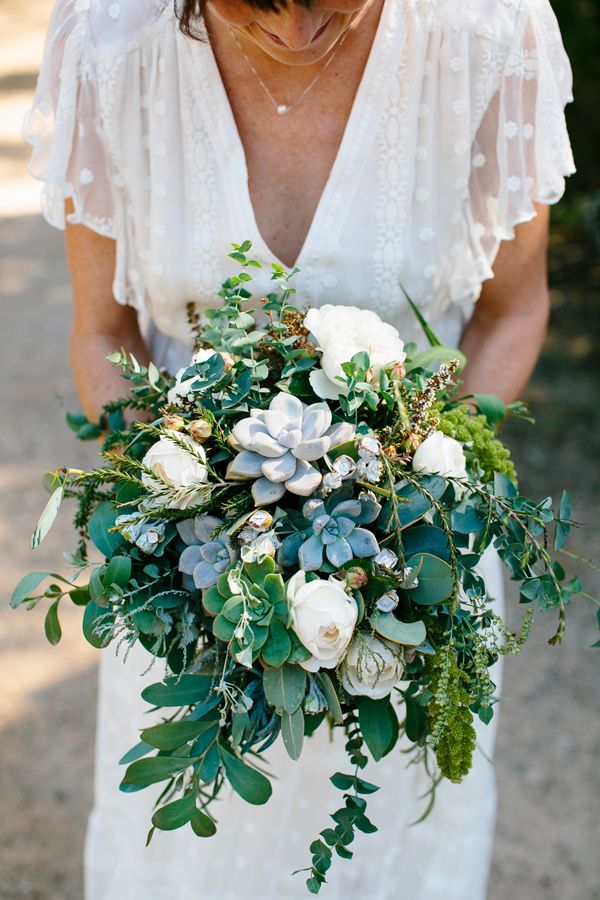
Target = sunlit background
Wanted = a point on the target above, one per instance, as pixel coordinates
(549, 784)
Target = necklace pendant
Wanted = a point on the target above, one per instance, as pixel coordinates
(282, 108)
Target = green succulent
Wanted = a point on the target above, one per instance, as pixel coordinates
(250, 613)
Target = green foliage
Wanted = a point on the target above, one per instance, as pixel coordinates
(482, 445)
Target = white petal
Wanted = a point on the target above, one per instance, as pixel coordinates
(279, 469)
(340, 433)
(310, 450)
(289, 406)
(311, 665)
(265, 492)
(245, 465)
(305, 480)
(317, 419)
(245, 432)
(323, 387)
(291, 438)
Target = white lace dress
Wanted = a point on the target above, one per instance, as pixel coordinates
(457, 128)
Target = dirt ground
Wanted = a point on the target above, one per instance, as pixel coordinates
(548, 832)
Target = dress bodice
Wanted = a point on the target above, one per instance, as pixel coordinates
(456, 130)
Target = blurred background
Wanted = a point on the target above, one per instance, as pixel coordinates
(549, 783)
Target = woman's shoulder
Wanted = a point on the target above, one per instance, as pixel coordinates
(498, 21)
(119, 25)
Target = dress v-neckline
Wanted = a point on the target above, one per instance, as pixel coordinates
(348, 153)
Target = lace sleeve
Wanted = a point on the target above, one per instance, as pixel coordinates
(64, 128)
(522, 151)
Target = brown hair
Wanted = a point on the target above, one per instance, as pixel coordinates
(190, 12)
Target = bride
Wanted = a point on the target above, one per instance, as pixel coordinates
(376, 145)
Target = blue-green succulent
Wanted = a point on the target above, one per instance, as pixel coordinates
(333, 533)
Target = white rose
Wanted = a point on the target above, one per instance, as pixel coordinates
(181, 389)
(323, 617)
(371, 667)
(440, 455)
(179, 469)
(342, 331)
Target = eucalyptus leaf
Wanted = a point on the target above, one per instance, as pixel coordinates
(176, 814)
(252, 786)
(284, 687)
(292, 732)
(387, 626)
(52, 624)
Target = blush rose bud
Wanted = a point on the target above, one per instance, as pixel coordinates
(228, 360)
(174, 423)
(356, 578)
(200, 430)
(399, 370)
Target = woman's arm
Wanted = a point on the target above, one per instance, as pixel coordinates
(504, 337)
(100, 325)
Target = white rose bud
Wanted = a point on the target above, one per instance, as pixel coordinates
(178, 469)
(440, 455)
(323, 616)
(372, 667)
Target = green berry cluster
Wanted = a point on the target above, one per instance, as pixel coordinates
(474, 432)
(451, 718)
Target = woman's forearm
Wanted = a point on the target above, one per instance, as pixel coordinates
(96, 379)
(502, 351)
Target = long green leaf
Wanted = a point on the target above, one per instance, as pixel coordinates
(430, 334)
(252, 786)
(144, 772)
(171, 735)
(292, 732)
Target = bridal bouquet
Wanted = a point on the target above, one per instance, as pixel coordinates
(295, 526)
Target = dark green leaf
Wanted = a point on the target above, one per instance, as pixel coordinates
(118, 572)
(171, 735)
(180, 691)
(144, 772)
(376, 725)
(252, 786)
(435, 581)
(203, 825)
(176, 814)
(491, 407)
(52, 625)
(425, 539)
(91, 616)
(102, 520)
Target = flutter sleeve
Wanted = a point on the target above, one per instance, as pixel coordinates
(64, 128)
(522, 151)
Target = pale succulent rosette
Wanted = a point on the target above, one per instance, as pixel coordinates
(278, 447)
(295, 531)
